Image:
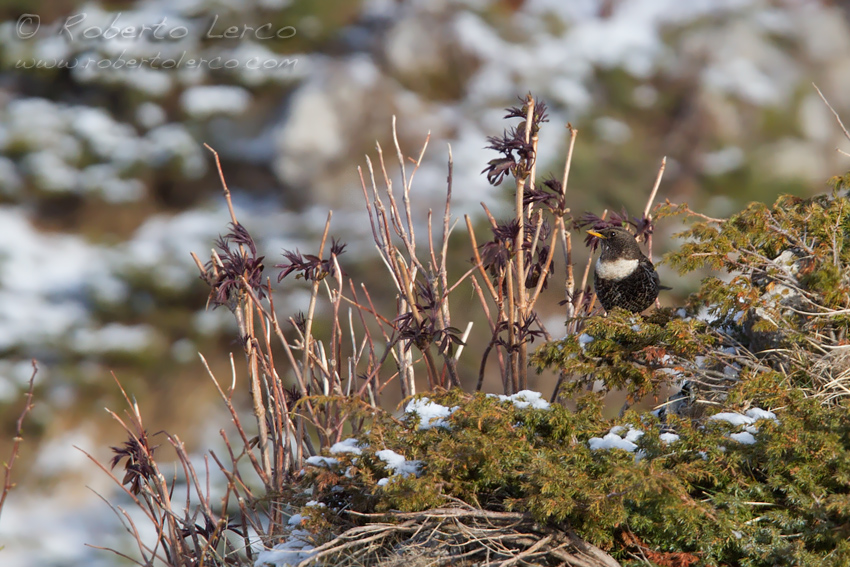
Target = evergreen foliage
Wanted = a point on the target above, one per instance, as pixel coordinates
(784, 500)
(769, 331)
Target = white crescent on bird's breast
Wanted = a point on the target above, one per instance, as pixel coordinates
(615, 269)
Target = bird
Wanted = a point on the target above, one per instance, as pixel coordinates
(624, 277)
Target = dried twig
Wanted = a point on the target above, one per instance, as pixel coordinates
(837, 118)
(445, 535)
(18, 439)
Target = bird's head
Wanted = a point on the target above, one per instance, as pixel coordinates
(617, 243)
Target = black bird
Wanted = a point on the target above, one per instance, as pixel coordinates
(624, 277)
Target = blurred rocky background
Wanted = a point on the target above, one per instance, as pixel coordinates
(105, 186)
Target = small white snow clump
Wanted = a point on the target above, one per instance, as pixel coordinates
(613, 440)
(669, 437)
(746, 437)
(733, 418)
(524, 399)
(319, 461)
(346, 446)
(430, 414)
(398, 464)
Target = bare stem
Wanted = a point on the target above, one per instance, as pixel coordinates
(834, 113)
(580, 296)
(646, 212)
(18, 439)
(223, 184)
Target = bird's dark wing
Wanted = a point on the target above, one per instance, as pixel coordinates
(647, 265)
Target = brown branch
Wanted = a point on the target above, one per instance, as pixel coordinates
(834, 113)
(223, 184)
(655, 188)
(235, 416)
(18, 439)
(646, 212)
(580, 296)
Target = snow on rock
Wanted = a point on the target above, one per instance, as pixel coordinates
(12, 181)
(110, 140)
(410, 47)
(313, 134)
(106, 180)
(524, 399)
(723, 161)
(163, 243)
(34, 124)
(174, 143)
(150, 115)
(430, 414)
(59, 455)
(43, 277)
(207, 100)
(261, 65)
(113, 337)
(50, 172)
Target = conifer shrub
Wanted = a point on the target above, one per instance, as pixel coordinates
(748, 463)
(768, 329)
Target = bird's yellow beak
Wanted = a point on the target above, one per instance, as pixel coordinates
(594, 233)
